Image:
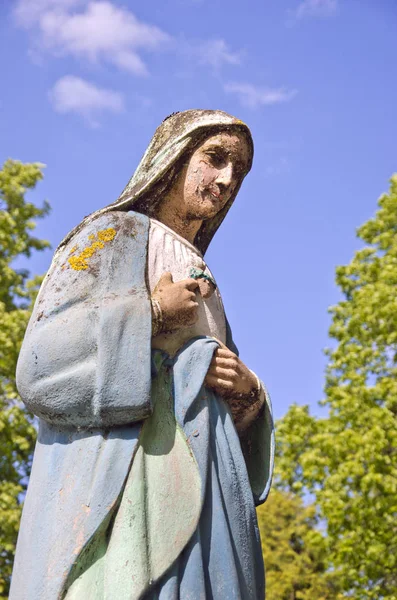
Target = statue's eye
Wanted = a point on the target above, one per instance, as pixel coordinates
(217, 158)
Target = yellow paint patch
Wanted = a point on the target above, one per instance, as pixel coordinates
(79, 262)
(106, 235)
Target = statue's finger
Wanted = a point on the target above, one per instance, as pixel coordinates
(218, 383)
(225, 362)
(224, 352)
(190, 284)
(225, 374)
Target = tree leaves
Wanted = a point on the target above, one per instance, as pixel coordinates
(294, 550)
(17, 293)
(347, 461)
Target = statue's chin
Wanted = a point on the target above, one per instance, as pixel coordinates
(206, 207)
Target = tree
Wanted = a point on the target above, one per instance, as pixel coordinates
(17, 293)
(348, 460)
(294, 550)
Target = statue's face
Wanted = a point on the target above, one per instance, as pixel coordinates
(212, 174)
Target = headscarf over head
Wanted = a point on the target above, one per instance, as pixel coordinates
(174, 140)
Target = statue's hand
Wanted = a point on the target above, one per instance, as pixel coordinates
(178, 302)
(229, 377)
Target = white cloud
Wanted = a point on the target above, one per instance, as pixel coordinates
(253, 96)
(72, 94)
(315, 8)
(95, 31)
(28, 12)
(216, 53)
(99, 30)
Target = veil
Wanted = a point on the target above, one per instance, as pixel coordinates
(176, 137)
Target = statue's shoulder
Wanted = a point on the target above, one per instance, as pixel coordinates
(123, 220)
(97, 238)
(112, 225)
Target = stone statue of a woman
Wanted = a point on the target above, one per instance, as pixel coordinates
(155, 440)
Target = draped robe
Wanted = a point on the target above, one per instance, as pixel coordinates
(88, 371)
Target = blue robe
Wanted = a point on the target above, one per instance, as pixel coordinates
(86, 369)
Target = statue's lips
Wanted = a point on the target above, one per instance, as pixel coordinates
(213, 194)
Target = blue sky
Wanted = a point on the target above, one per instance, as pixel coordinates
(85, 83)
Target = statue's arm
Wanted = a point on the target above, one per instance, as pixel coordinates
(85, 359)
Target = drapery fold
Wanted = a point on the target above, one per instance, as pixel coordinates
(85, 359)
(186, 525)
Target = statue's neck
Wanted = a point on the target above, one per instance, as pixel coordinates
(169, 213)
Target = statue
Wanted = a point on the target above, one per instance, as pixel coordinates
(155, 440)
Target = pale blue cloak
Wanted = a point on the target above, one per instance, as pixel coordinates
(86, 370)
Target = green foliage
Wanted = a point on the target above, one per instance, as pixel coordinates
(17, 293)
(349, 459)
(294, 550)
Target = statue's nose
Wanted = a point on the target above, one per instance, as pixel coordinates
(225, 176)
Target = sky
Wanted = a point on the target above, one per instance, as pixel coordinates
(84, 84)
